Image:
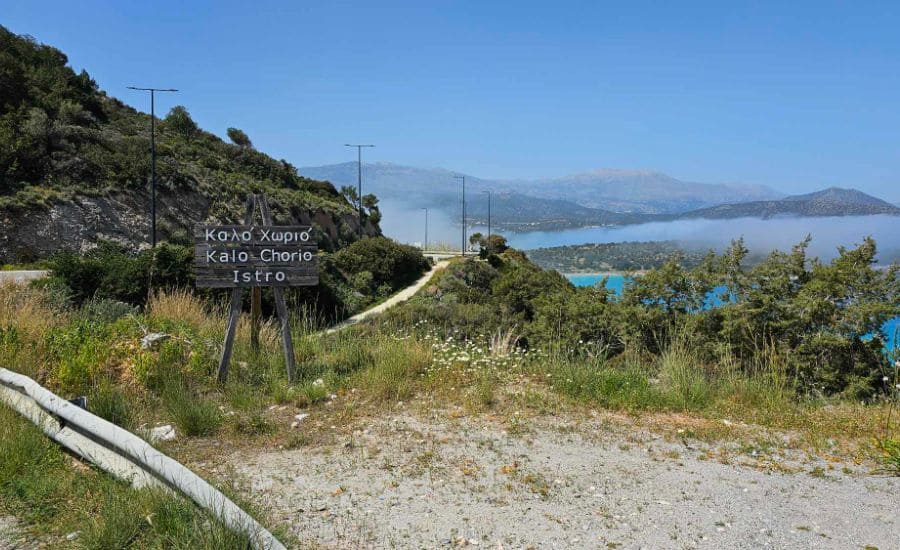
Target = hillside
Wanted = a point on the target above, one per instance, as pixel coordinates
(75, 165)
(828, 202)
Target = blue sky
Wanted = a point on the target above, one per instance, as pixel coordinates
(796, 97)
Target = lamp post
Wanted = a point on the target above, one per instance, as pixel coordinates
(152, 155)
(425, 246)
(463, 178)
(489, 213)
(359, 182)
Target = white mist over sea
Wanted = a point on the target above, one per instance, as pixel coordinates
(761, 236)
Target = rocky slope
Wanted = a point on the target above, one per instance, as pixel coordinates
(75, 165)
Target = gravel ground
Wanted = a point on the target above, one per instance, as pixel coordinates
(409, 482)
(11, 538)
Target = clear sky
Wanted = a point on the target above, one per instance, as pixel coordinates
(797, 97)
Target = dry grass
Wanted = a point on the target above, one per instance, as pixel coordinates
(27, 309)
(183, 306)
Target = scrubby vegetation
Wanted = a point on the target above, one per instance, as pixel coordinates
(709, 340)
(61, 138)
(351, 279)
(820, 321)
(791, 344)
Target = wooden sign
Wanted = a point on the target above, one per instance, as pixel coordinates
(250, 255)
(228, 256)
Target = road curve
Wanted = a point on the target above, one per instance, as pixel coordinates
(398, 298)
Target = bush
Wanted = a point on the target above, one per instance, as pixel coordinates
(104, 310)
(112, 272)
(389, 263)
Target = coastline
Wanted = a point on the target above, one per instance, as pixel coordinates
(602, 273)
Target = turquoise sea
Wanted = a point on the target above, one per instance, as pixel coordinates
(616, 282)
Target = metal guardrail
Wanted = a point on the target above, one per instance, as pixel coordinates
(122, 453)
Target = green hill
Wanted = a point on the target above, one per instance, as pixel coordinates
(75, 165)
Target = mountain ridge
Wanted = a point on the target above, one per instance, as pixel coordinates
(538, 205)
(833, 201)
(609, 189)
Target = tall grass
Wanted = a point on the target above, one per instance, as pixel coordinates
(40, 485)
(674, 381)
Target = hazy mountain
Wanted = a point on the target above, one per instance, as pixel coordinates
(828, 202)
(643, 191)
(631, 191)
(518, 212)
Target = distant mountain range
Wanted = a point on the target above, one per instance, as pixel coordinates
(828, 202)
(600, 197)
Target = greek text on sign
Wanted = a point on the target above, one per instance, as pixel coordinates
(274, 235)
(228, 256)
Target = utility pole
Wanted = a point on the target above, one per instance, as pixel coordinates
(425, 246)
(463, 178)
(152, 155)
(359, 182)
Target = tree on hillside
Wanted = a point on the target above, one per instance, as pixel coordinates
(239, 138)
(179, 121)
(350, 193)
(370, 201)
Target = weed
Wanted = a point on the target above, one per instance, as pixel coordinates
(890, 454)
(108, 401)
(194, 415)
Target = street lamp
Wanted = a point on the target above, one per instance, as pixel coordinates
(425, 246)
(463, 178)
(152, 155)
(359, 182)
(489, 213)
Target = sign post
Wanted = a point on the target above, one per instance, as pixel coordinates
(254, 256)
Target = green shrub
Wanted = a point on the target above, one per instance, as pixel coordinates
(388, 262)
(112, 272)
(78, 352)
(104, 310)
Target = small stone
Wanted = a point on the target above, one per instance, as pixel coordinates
(162, 433)
(72, 536)
(151, 340)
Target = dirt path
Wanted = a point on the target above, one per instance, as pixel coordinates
(409, 482)
(398, 298)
